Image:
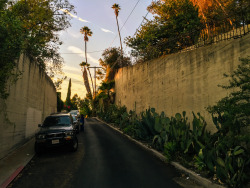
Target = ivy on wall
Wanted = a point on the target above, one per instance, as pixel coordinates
(12, 37)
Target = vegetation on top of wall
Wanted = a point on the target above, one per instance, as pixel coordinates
(31, 27)
(178, 24)
(223, 156)
(12, 38)
(173, 20)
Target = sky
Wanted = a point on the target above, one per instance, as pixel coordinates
(100, 18)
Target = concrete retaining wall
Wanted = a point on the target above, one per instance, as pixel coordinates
(31, 99)
(184, 81)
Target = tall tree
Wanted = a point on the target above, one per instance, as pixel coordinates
(68, 102)
(87, 33)
(75, 102)
(43, 19)
(31, 27)
(110, 63)
(216, 13)
(176, 25)
(85, 78)
(85, 107)
(60, 103)
(106, 88)
(12, 37)
(117, 8)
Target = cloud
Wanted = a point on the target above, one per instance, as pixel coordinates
(74, 16)
(107, 31)
(85, 21)
(77, 82)
(76, 50)
(81, 54)
(75, 35)
(77, 87)
(67, 12)
(72, 70)
(82, 20)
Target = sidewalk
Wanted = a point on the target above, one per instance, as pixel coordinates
(13, 164)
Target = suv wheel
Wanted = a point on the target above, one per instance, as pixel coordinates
(74, 145)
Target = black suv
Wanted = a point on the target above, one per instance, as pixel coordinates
(56, 130)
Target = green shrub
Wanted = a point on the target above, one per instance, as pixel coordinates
(231, 116)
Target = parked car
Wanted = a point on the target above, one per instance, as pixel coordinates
(74, 113)
(76, 123)
(56, 130)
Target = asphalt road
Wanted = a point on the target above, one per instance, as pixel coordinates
(104, 159)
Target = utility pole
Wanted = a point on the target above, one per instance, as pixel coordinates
(95, 77)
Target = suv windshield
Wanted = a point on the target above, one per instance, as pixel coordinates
(56, 121)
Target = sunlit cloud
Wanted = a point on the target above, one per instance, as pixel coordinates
(85, 21)
(76, 88)
(76, 78)
(74, 16)
(82, 20)
(76, 50)
(107, 31)
(73, 69)
(77, 82)
(67, 12)
(81, 54)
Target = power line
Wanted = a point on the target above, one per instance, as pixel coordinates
(130, 14)
(125, 21)
(141, 23)
(120, 30)
(82, 52)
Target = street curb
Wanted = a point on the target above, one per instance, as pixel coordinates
(198, 179)
(12, 177)
(24, 160)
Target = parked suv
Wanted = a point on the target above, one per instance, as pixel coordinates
(56, 130)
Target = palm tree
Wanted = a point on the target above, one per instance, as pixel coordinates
(85, 77)
(87, 33)
(106, 93)
(116, 8)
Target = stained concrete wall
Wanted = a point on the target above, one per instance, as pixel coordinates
(184, 81)
(31, 99)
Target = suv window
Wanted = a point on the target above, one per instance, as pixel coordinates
(56, 121)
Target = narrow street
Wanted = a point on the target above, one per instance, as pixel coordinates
(104, 159)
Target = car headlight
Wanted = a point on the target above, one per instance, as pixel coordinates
(69, 133)
(41, 136)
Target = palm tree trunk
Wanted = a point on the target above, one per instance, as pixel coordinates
(86, 52)
(91, 81)
(119, 33)
(88, 68)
